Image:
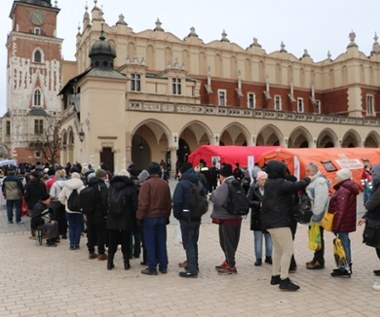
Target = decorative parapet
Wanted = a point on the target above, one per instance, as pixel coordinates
(209, 110)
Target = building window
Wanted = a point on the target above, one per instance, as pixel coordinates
(318, 107)
(38, 126)
(277, 103)
(369, 105)
(8, 128)
(37, 56)
(37, 98)
(37, 31)
(300, 105)
(251, 100)
(177, 86)
(222, 97)
(135, 82)
(37, 154)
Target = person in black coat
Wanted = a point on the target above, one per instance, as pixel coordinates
(35, 189)
(278, 217)
(120, 227)
(255, 195)
(96, 218)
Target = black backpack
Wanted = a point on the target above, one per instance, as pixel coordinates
(89, 198)
(198, 200)
(117, 204)
(73, 202)
(237, 201)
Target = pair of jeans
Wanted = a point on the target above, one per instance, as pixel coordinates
(155, 242)
(346, 242)
(190, 236)
(14, 204)
(258, 236)
(96, 235)
(76, 223)
(229, 236)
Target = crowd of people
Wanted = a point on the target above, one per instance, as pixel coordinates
(132, 208)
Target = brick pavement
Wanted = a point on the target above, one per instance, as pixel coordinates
(41, 281)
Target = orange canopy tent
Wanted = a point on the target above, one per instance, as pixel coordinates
(228, 154)
(328, 160)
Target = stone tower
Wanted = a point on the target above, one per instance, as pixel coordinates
(33, 80)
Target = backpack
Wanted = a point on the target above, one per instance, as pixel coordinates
(117, 203)
(303, 212)
(88, 198)
(73, 203)
(237, 201)
(198, 200)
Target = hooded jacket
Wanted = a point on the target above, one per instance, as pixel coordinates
(343, 206)
(128, 219)
(181, 195)
(318, 192)
(373, 203)
(69, 186)
(278, 201)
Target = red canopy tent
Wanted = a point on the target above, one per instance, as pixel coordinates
(228, 154)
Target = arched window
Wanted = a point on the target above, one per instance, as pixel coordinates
(37, 98)
(37, 57)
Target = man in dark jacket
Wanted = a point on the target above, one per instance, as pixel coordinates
(96, 218)
(13, 190)
(119, 227)
(154, 206)
(38, 212)
(189, 225)
(277, 218)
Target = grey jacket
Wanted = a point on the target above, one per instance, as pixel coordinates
(219, 199)
(318, 192)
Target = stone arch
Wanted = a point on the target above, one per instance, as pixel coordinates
(261, 71)
(131, 50)
(278, 73)
(300, 137)
(150, 142)
(372, 140)
(186, 59)
(234, 134)
(290, 75)
(195, 134)
(331, 77)
(218, 65)
(269, 135)
(168, 57)
(233, 67)
(202, 63)
(327, 138)
(351, 139)
(150, 62)
(344, 75)
(248, 69)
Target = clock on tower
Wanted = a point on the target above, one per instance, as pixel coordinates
(37, 18)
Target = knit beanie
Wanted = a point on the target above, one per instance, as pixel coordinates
(344, 174)
(261, 174)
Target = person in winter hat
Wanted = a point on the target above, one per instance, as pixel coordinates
(343, 206)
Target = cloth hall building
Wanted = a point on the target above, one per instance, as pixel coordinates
(151, 96)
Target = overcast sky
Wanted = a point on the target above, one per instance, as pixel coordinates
(318, 26)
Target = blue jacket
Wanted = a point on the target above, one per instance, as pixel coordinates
(181, 195)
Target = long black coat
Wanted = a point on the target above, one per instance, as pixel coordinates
(255, 197)
(278, 201)
(128, 219)
(99, 214)
(34, 191)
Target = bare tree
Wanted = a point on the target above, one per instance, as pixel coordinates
(49, 143)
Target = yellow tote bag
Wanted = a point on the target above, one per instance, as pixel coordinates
(327, 221)
(315, 242)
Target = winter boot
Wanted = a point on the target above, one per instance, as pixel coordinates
(287, 285)
(110, 264)
(127, 265)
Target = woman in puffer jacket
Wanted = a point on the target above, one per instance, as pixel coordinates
(343, 206)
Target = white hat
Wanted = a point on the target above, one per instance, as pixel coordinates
(344, 174)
